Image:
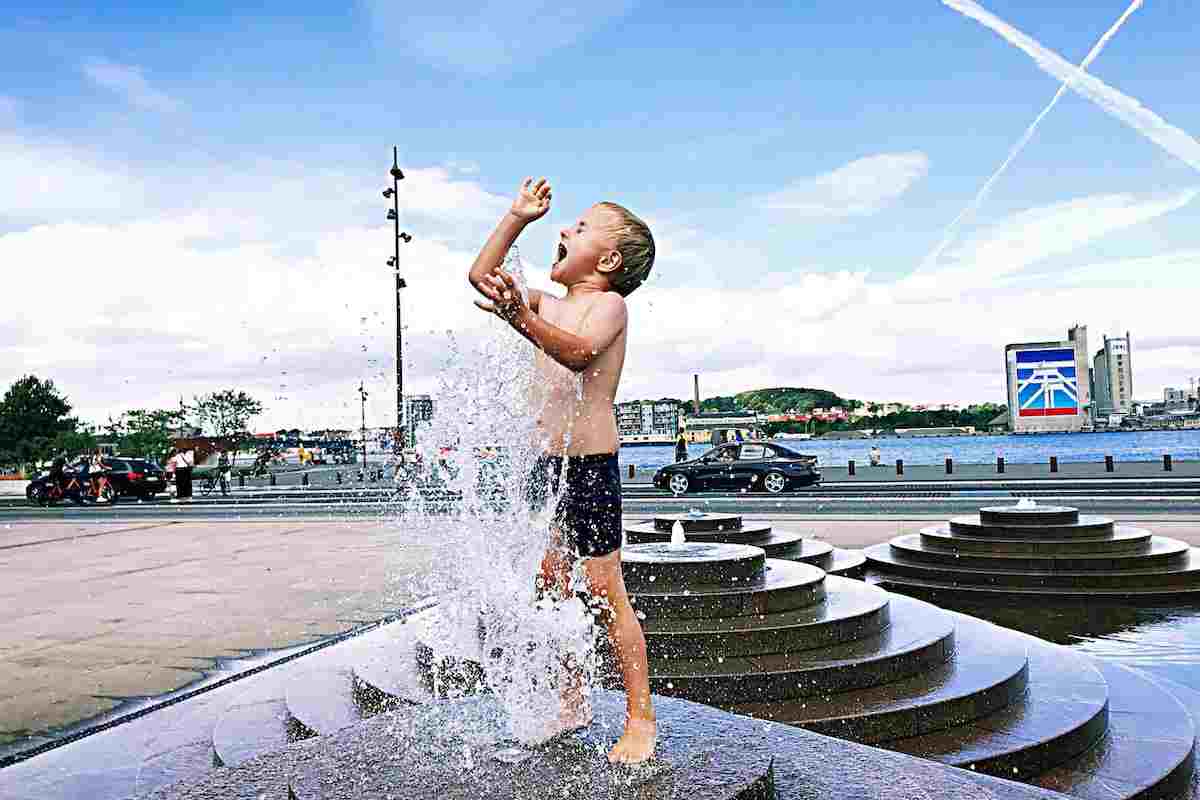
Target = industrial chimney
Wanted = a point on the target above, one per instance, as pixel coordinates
(696, 395)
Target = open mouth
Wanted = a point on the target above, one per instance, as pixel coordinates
(562, 252)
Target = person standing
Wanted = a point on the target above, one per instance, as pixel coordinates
(185, 461)
(681, 452)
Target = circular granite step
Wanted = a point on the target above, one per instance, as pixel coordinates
(1033, 515)
(986, 673)
(698, 523)
(854, 611)
(1123, 539)
(1161, 552)
(1177, 578)
(1086, 526)
(321, 700)
(689, 564)
(918, 639)
(1063, 712)
(254, 723)
(650, 532)
(783, 586)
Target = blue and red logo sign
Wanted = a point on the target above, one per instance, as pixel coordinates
(1046, 383)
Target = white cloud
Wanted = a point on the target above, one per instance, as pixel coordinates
(1024, 239)
(482, 38)
(10, 110)
(860, 188)
(129, 82)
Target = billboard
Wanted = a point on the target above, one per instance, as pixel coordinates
(1047, 385)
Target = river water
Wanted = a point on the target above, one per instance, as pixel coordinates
(1023, 449)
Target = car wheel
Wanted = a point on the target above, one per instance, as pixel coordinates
(679, 484)
(775, 482)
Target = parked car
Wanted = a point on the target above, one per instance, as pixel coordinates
(136, 477)
(742, 466)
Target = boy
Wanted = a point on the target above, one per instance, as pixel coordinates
(600, 259)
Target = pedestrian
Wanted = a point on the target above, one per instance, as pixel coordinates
(876, 456)
(185, 461)
(681, 452)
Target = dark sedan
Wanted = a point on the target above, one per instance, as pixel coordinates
(136, 477)
(747, 466)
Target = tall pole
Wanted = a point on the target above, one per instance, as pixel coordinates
(362, 393)
(397, 176)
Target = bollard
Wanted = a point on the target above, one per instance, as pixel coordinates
(1167, 465)
(304, 479)
(1108, 463)
(949, 466)
(899, 466)
(631, 468)
(1000, 464)
(241, 481)
(850, 468)
(1054, 463)
(272, 478)
(339, 476)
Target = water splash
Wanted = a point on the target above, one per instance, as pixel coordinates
(483, 445)
(678, 540)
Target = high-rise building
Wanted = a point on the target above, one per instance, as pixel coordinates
(644, 419)
(1048, 386)
(1114, 377)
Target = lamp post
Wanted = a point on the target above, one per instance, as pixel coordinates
(394, 262)
(362, 392)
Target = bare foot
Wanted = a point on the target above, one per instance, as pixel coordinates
(574, 717)
(636, 744)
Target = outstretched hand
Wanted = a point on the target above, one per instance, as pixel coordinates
(532, 201)
(507, 302)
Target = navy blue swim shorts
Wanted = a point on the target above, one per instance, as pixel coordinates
(588, 511)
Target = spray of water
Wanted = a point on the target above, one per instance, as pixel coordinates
(967, 213)
(1174, 140)
(483, 445)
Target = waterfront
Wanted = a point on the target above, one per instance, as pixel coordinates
(1024, 449)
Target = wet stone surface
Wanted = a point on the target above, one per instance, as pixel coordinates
(691, 563)
(458, 750)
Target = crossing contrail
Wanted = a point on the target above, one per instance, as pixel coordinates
(949, 234)
(1175, 141)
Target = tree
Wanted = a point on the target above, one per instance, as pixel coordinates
(227, 414)
(146, 432)
(32, 415)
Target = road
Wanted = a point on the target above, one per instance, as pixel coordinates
(1126, 496)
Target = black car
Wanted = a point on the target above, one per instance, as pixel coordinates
(745, 466)
(135, 477)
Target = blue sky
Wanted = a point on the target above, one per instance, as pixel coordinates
(798, 163)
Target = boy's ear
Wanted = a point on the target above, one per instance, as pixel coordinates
(609, 263)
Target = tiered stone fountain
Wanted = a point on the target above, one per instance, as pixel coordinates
(786, 642)
(733, 529)
(1037, 550)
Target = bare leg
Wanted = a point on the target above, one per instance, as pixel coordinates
(554, 581)
(625, 632)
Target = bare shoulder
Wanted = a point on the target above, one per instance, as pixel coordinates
(609, 306)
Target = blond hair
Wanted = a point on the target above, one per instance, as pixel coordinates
(636, 246)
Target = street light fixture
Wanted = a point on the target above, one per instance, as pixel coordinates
(393, 214)
(363, 396)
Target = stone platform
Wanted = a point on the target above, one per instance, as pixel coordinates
(458, 749)
(1037, 550)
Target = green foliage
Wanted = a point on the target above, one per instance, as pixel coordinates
(227, 414)
(32, 415)
(145, 432)
(780, 400)
(73, 443)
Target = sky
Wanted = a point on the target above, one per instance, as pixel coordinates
(190, 196)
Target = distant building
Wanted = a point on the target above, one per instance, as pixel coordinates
(644, 422)
(1048, 386)
(715, 426)
(1176, 399)
(1113, 376)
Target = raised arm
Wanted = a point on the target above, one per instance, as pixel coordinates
(532, 202)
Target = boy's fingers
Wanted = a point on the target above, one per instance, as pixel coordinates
(488, 307)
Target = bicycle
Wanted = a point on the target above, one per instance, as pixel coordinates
(218, 477)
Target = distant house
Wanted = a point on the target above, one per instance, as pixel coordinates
(1002, 423)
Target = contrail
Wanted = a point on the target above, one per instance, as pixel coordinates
(952, 229)
(1175, 141)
